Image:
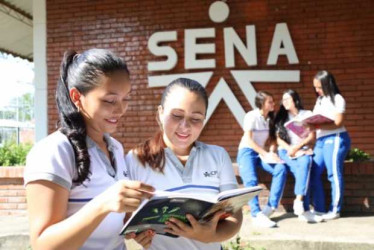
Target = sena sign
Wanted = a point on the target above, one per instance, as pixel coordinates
(218, 12)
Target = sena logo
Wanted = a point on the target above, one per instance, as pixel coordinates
(195, 58)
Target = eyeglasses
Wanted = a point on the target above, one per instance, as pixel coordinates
(286, 99)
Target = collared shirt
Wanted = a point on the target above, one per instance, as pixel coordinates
(325, 106)
(53, 159)
(254, 121)
(208, 170)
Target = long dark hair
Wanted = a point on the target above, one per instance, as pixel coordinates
(282, 116)
(152, 152)
(82, 71)
(328, 83)
(259, 103)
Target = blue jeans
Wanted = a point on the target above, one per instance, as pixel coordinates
(329, 153)
(300, 167)
(248, 161)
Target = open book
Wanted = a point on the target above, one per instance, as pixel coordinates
(153, 213)
(271, 158)
(302, 152)
(297, 125)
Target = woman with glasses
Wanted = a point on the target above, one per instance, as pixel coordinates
(296, 153)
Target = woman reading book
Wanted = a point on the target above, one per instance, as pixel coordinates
(76, 188)
(296, 152)
(257, 149)
(173, 160)
(332, 145)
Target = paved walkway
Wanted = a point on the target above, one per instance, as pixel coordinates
(349, 232)
(343, 233)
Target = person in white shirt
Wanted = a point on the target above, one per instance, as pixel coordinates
(296, 153)
(257, 149)
(332, 145)
(173, 160)
(75, 178)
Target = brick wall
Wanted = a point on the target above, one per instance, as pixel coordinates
(358, 195)
(12, 192)
(332, 35)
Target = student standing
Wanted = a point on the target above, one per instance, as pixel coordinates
(75, 178)
(173, 160)
(295, 152)
(332, 146)
(254, 153)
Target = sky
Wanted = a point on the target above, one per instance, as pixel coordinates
(16, 78)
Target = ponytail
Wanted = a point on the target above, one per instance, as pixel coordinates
(71, 121)
(272, 135)
(280, 119)
(83, 72)
(152, 152)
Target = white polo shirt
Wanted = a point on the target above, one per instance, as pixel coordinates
(53, 159)
(208, 170)
(295, 139)
(255, 122)
(325, 106)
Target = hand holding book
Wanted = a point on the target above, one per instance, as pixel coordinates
(155, 212)
(196, 230)
(302, 152)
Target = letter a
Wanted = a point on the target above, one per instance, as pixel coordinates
(282, 36)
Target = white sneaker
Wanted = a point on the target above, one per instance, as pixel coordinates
(261, 220)
(298, 207)
(310, 217)
(268, 211)
(316, 213)
(330, 216)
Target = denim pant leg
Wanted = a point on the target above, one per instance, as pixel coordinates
(336, 148)
(279, 173)
(316, 184)
(248, 161)
(302, 183)
(300, 168)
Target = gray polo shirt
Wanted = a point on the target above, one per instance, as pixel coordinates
(53, 159)
(208, 170)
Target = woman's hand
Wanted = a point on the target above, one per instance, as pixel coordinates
(204, 232)
(144, 238)
(292, 150)
(311, 127)
(272, 157)
(124, 196)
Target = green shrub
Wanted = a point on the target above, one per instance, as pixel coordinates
(12, 154)
(237, 244)
(356, 154)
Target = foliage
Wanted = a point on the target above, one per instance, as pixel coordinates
(12, 154)
(237, 244)
(356, 154)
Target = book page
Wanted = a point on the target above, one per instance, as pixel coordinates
(231, 202)
(237, 192)
(271, 159)
(155, 212)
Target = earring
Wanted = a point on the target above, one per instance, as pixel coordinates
(78, 109)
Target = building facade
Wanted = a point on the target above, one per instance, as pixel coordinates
(234, 49)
